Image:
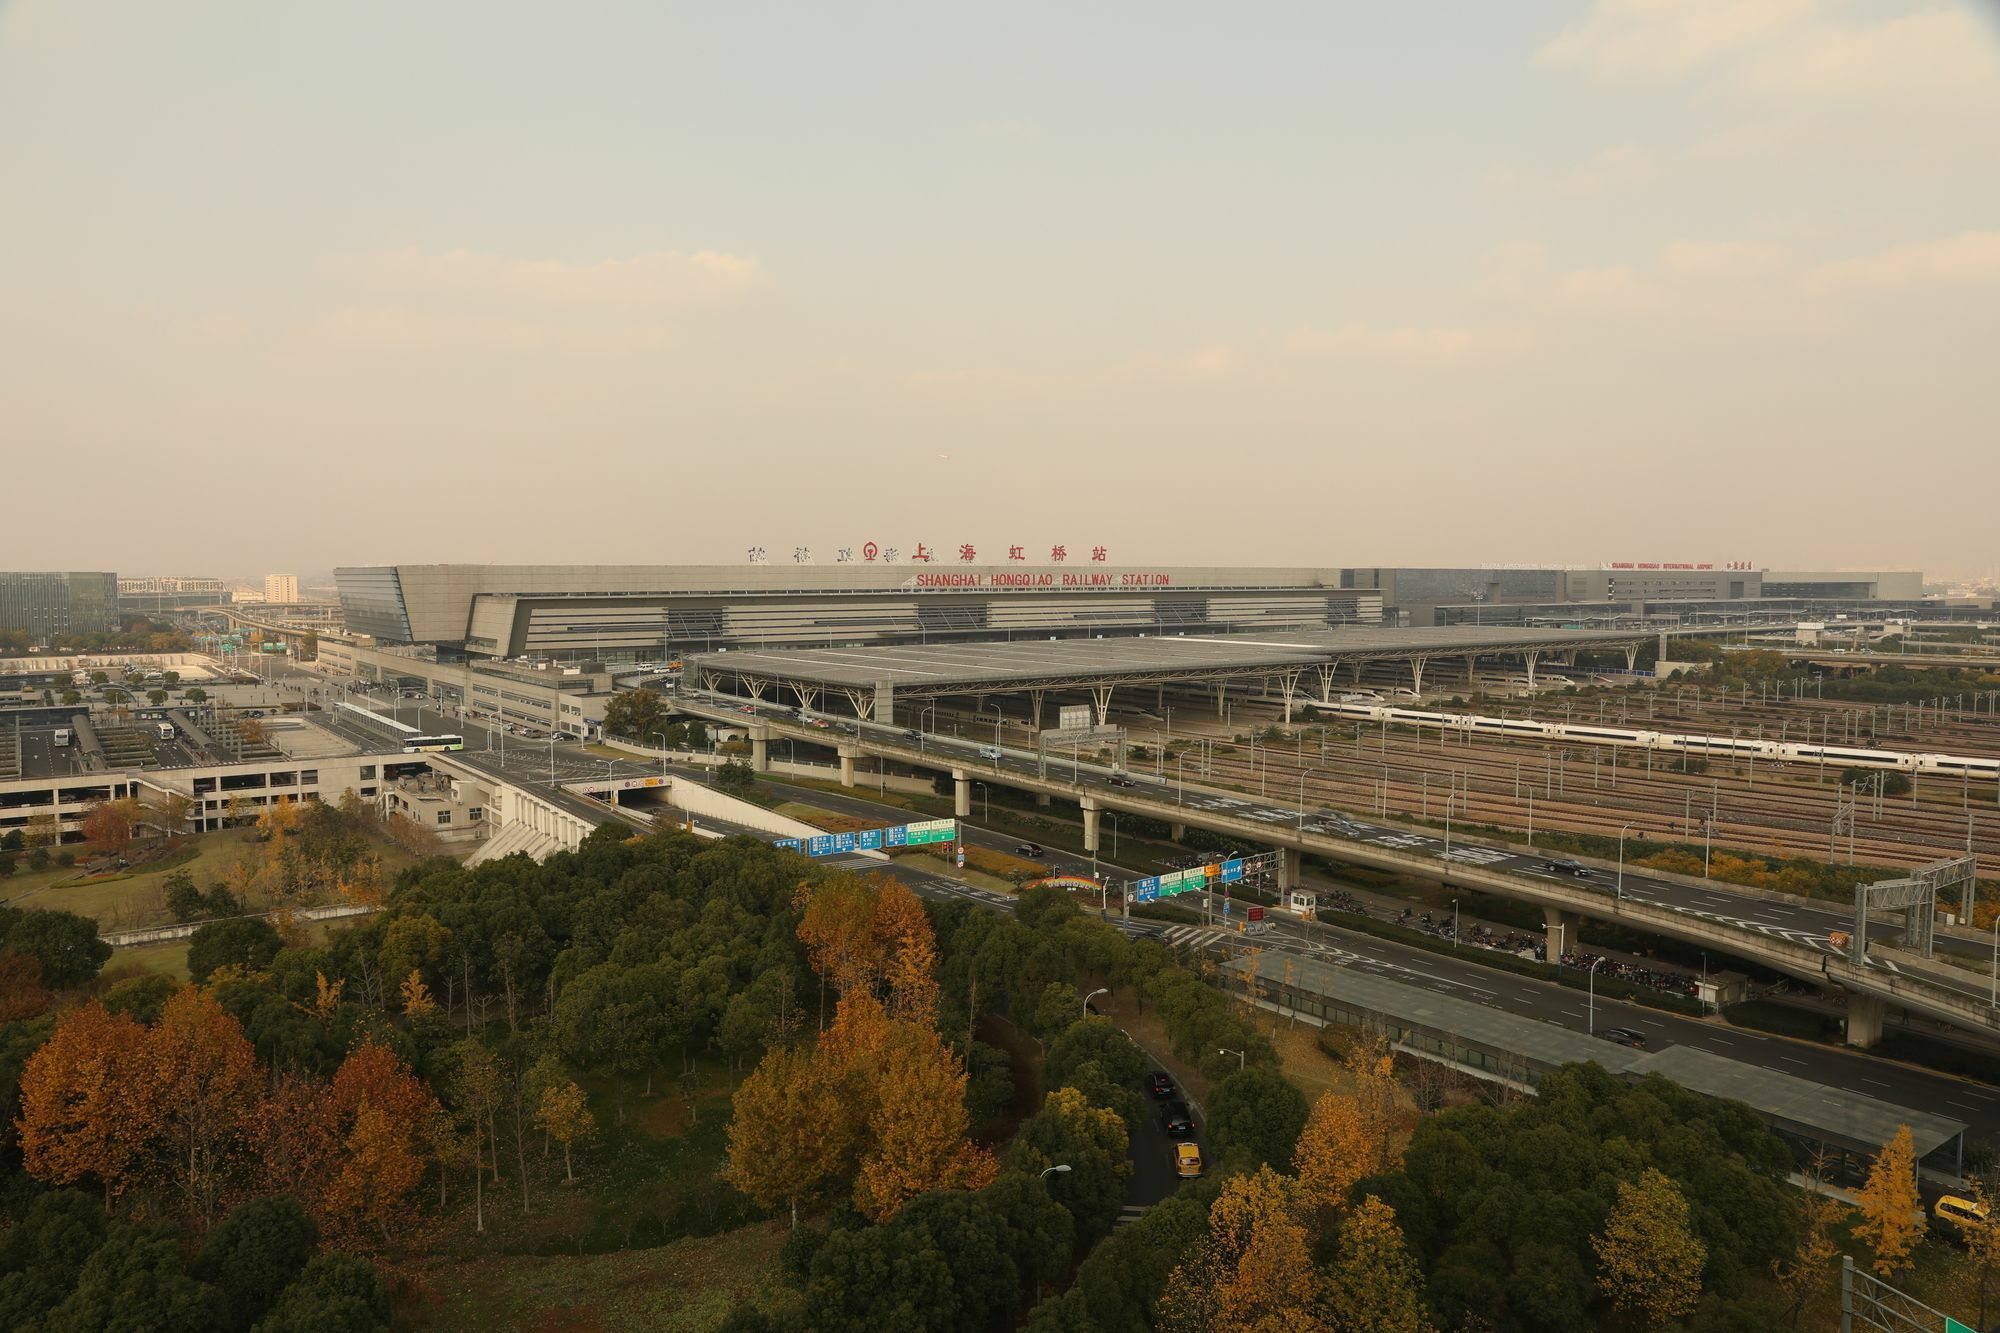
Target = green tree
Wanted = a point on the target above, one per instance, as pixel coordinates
(141, 997)
(1091, 1140)
(65, 944)
(1098, 1040)
(156, 697)
(1256, 1113)
(181, 897)
(135, 1281)
(249, 942)
(735, 777)
(42, 1257)
(337, 1293)
(633, 713)
(195, 694)
(255, 1254)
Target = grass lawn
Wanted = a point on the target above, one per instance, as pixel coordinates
(169, 958)
(132, 900)
(683, 1287)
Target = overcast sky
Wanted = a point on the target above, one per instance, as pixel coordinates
(290, 285)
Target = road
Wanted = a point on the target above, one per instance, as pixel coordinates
(1464, 975)
(1780, 919)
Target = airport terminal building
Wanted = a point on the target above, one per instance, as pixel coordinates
(626, 613)
(635, 613)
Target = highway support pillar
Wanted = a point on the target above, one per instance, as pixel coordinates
(1290, 867)
(760, 754)
(1562, 932)
(1092, 824)
(1864, 1019)
(961, 794)
(1043, 799)
(846, 769)
(1177, 832)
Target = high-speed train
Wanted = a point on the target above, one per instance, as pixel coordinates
(1800, 752)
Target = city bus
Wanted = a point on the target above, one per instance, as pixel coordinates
(413, 744)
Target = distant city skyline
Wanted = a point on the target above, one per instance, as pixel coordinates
(1562, 281)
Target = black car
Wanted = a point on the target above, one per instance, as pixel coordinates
(1567, 868)
(1031, 850)
(913, 735)
(1177, 1120)
(1120, 780)
(1624, 1037)
(1161, 1085)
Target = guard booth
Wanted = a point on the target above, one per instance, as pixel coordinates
(1302, 903)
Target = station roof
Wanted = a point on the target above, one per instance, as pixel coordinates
(965, 668)
(1831, 1115)
(1812, 1110)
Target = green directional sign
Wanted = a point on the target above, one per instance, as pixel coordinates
(1953, 1326)
(933, 830)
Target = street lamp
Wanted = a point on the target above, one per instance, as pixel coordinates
(1180, 775)
(1590, 1021)
(1454, 923)
(1060, 1170)
(1238, 1054)
(1621, 860)
(998, 718)
(1302, 796)
(922, 730)
(1093, 995)
(663, 750)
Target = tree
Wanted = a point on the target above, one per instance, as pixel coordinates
(1374, 1284)
(1649, 1259)
(195, 694)
(1334, 1150)
(247, 942)
(1811, 1262)
(1094, 1040)
(42, 1256)
(735, 777)
(65, 944)
(1982, 1240)
(1254, 1271)
(22, 994)
(633, 713)
(918, 1127)
(791, 1132)
(200, 1092)
(563, 1113)
(255, 1253)
(181, 897)
(385, 1109)
(337, 1293)
(156, 697)
(79, 1117)
(1258, 1113)
(1091, 1140)
(478, 1090)
(108, 825)
(135, 1281)
(1889, 1221)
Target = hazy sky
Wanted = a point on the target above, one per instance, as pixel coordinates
(293, 284)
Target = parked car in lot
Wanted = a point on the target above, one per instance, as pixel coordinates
(1160, 1084)
(1624, 1037)
(1177, 1120)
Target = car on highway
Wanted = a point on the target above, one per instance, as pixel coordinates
(990, 753)
(1121, 780)
(1187, 1160)
(1561, 867)
(1160, 1084)
(747, 708)
(912, 735)
(1625, 1037)
(1032, 850)
(1177, 1120)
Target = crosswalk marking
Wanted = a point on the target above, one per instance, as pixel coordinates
(1129, 1214)
(1196, 937)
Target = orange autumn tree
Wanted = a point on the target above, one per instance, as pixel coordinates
(80, 1118)
(869, 933)
(918, 1127)
(791, 1134)
(1254, 1271)
(200, 1092)
(297, 1136)
(385, 1111)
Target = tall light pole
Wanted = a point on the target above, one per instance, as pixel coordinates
(1061, 1169)
(663, 752)
(1238, 1054)
(1180, 775)
(1093, 995)
(1590, 1021)
(1621, 861)
(1454, 923)
(998, 718)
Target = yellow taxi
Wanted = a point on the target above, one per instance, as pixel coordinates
(1187, 1160)
(1959, 1211)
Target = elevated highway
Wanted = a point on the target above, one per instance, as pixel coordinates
(1784, 933)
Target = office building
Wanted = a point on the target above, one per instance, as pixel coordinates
(45, 604)
(281, 588)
